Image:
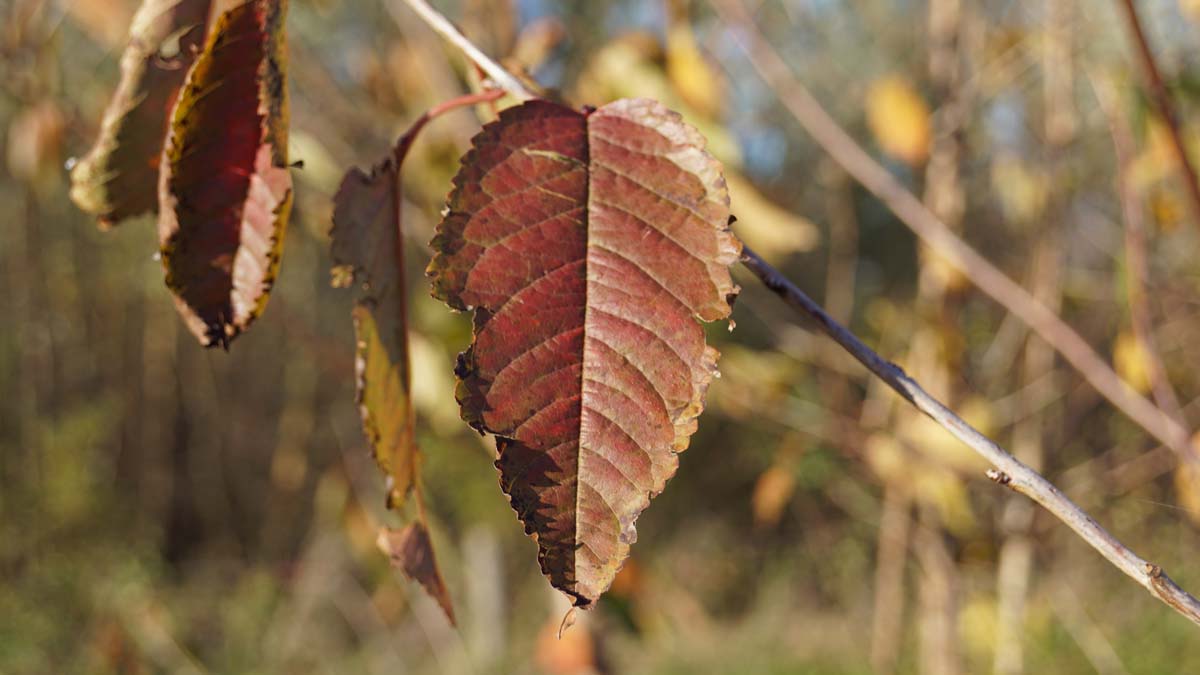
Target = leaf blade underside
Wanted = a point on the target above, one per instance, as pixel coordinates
(116, 179)
(589, 246)
(225, 190)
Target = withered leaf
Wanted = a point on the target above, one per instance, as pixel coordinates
(368, 248)
(225, 190)
(117, 178)
(411, 551)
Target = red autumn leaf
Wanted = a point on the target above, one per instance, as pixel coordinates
(588, 244)
(116, 179)
(225, 190)
(411, 550)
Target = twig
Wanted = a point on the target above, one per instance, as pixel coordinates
(1165, 105)
(1137, 269)
(930, 229)
(1009, 471)
(501, 77)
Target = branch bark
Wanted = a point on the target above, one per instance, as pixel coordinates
(1008, 470)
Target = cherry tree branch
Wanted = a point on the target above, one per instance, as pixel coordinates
(1009, 471)
(498, 74)
(844, 150)
(1165, 105)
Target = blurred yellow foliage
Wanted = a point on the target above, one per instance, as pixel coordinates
(886, 457)
(977, 625)
(1187, 484)
(944, 490)
(1132, 361)
(899, 119)
(772, 492)
(931, 481)
(941, 272)
(1166, 208)
(433, 384)
(773, 232)
(1190, 9)
(1022, 190)
(697, 82)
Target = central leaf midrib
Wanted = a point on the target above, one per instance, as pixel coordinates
(583, 369)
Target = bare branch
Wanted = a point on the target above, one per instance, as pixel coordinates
(1009, 470)
(498, 74)
(931, 230)
(1165, 105)
(1137, 268)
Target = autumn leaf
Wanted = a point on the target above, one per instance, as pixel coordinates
(411, 551)
(225, 190)
(588, 244)
(117, 178)
(367, 248)
(899, 119)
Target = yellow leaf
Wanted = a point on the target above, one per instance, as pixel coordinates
(694, 79)
(899, 119)
(772, 492)
(1187, 488)
(1132, 361)
(1022, 191)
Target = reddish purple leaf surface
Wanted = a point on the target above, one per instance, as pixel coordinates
(225, 190)
(118, 176)
(589, 245)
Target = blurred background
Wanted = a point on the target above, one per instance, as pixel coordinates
(164, 508)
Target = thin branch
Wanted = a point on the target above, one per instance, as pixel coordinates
(931, 230)
(1009, 471)
(498, 74)
(1137, 268)
(1165, 105)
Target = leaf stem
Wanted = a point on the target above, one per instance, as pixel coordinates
(1008, 471)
